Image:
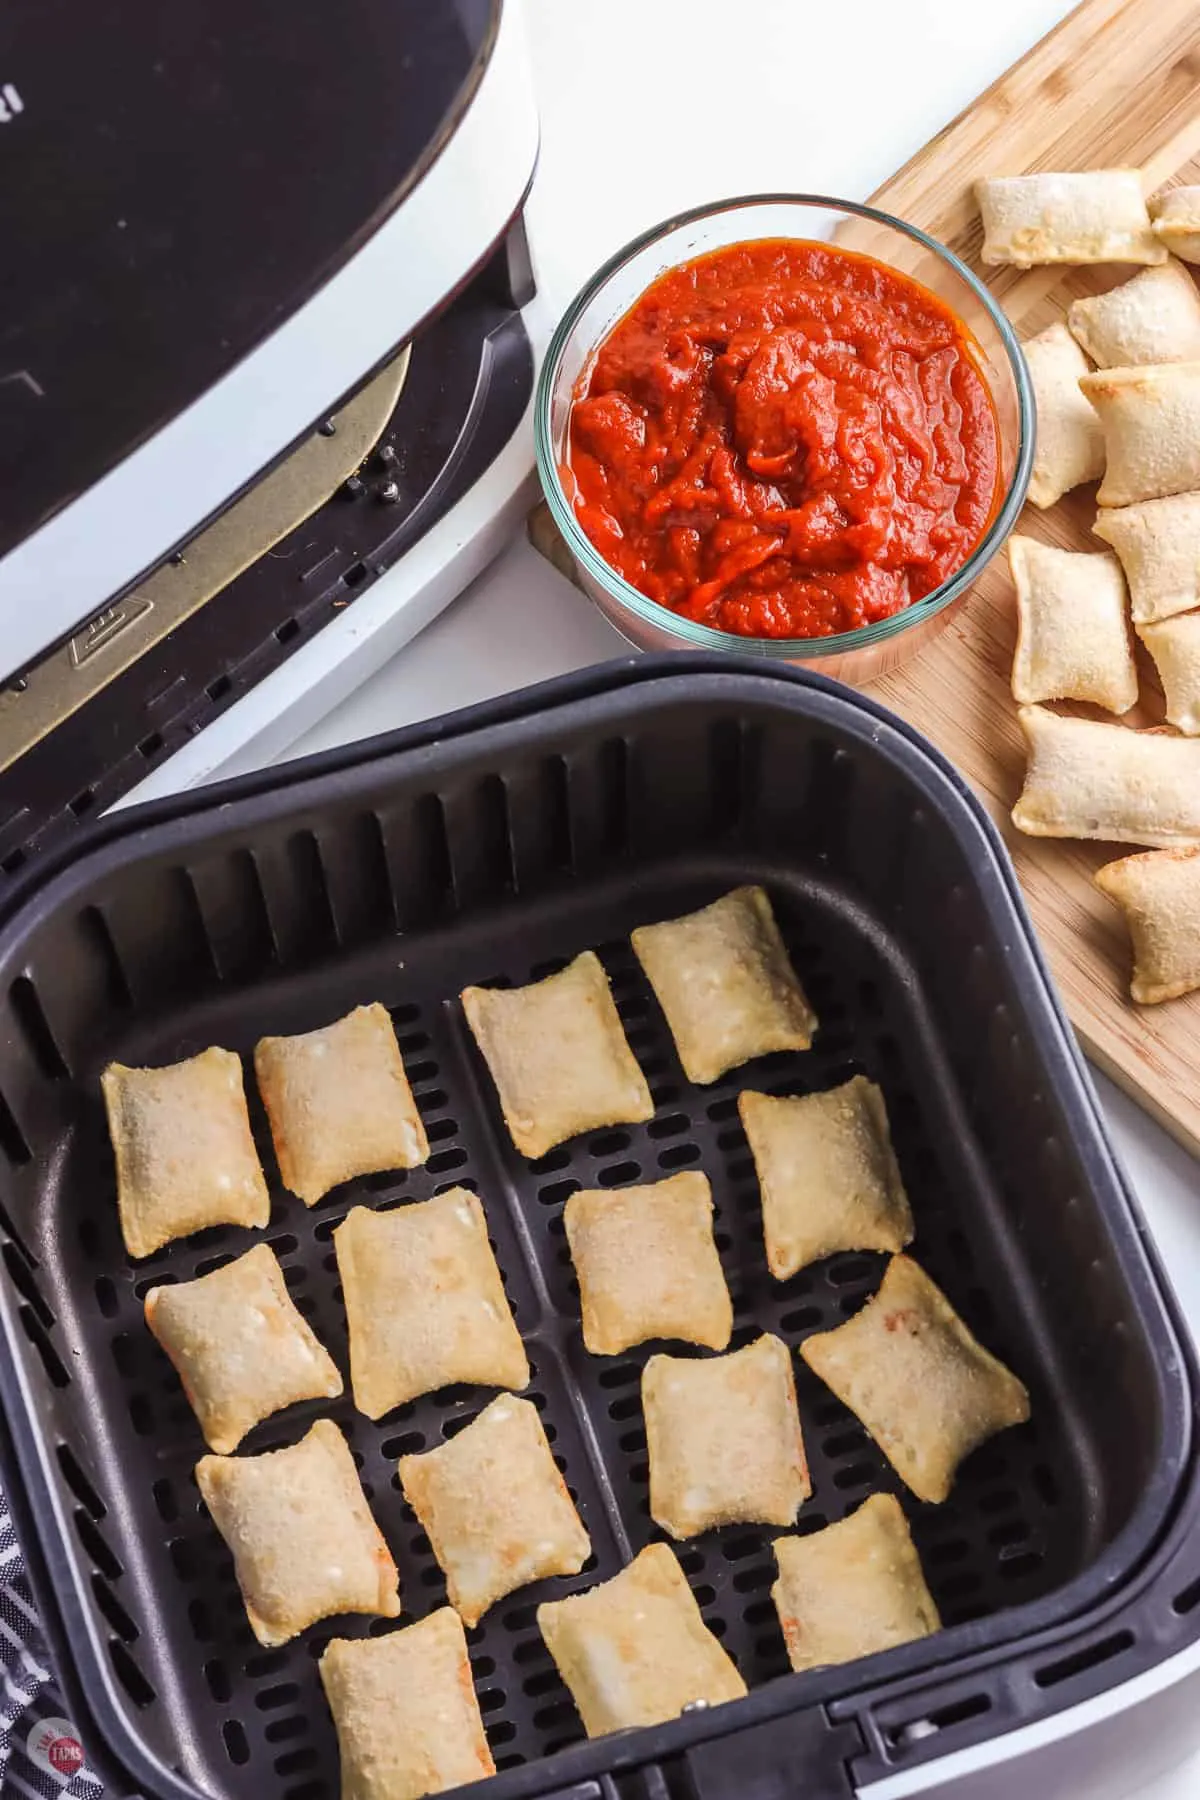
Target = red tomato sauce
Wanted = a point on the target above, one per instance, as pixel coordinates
(782, 439)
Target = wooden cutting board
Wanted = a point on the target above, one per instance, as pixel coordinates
(1117, 84)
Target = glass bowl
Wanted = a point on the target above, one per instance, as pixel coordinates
(854, 656)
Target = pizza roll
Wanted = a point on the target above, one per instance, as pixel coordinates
(912, 1373)
(1088, 779)
(635, 1650)
(1158, 542)
(1175, 646)
(1092, 216)
(853, 1589)
(404, 1706)
(425, 1303)
(239, 1346)
(339, 1103)
(1073, 640)
(726, 984)
(558, 1056)
(185, 1156)
(827, 1173)
(303, 1540)
(1159, 893)
(1175, 218)
(1155, 318)
(724, 1439)
(1150, 417)
(495, 1508)
(648, 1266)
(1070, 440)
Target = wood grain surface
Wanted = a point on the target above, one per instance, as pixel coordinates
(1117, 84)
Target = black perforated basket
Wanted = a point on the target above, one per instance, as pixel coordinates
(492, 847)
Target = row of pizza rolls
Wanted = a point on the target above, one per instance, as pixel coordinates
(1117, 391)
(339, 1102)
(634, 1651)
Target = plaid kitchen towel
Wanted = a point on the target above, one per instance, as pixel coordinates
(40, 1753)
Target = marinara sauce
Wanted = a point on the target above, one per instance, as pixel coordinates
(784, 440)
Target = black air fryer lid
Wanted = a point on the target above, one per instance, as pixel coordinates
(174, 181)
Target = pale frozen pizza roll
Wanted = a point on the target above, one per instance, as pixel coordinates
(1073, 637)
(404, 1705)
(635, 1650)
(1069, 448)
(917, 1379)
(1154, 318)
(1159, 894)
(1158, 542)
(1175, 646)
(304, 1543)
(558, 1055)
(1151, 422)
(647, 1265)
(726, 984)
(853, 1589)
(1081, 216)
(239, 1346)
(425, 1302)
(339, 1103)
(724, 1440)
(827, 1174)
(1175, 216)
(184, 1151)
(495, 1508)
(1089, 779)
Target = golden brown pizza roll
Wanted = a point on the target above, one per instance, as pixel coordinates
(1088, 779)
(648, 1266)
(1158, 542)
(853, 1589)
(910, 1370)
(404, 1706)
(558, 1056)
(303, 1540)
(1070, 439)
(239, 1346)
(827, 1174)
(425, 1302)
(185, 1156)
(1150, 417)
(1159, 893)
(724, 1439)
(495, 1508)
(1175, 217)
(724, 980)
(635, 1650)
(1073, 638)
(339, 1103)
(1155, 318)
(1092, 216)
(1175, 646)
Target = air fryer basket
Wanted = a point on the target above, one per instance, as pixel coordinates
(493, 848)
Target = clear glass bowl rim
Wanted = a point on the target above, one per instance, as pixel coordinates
(689, 631)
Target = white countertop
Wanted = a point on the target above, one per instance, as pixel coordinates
(621, 86)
